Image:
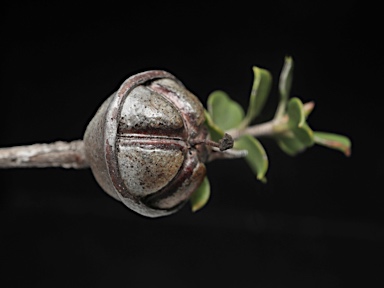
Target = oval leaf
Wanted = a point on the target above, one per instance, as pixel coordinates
(334, 141)
(285, 83)
(296, 114)
(304, 134)
(286, 76)
(256, 158)
(259, 94)
(225, 112)
(296, 140)
(308, 108)
(290, 145)
(201, 196)
(215, 132)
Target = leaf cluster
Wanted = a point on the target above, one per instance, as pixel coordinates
(289, 126)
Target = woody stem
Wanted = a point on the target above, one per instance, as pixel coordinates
(56, 154)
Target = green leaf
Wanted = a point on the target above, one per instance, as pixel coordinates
(295, 113)
(299, 135)
(286, 76)
(200, 197)
(256, 158)
(304, 134)
(225, 112)
(296, 140)
(290, 145)
(334, 141)
(259, 94)
(285, 83)
(214, 131)
(308, 108)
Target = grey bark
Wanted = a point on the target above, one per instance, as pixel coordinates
(56, 154)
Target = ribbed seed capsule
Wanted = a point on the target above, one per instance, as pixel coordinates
(145, 144)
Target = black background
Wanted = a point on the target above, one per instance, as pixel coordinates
(316, 223)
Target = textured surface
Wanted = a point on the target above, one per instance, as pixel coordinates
(159, 123)
(57, 154)
(146, 144)
(94, 143)
(147, 112)
(187, 103)
(146, 168)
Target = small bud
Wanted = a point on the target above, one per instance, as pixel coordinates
(226, 142)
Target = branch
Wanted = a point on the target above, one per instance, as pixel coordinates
(275, 126)
(264, 129)
(57, 154)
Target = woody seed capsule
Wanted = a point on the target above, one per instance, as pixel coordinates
(145, 145)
